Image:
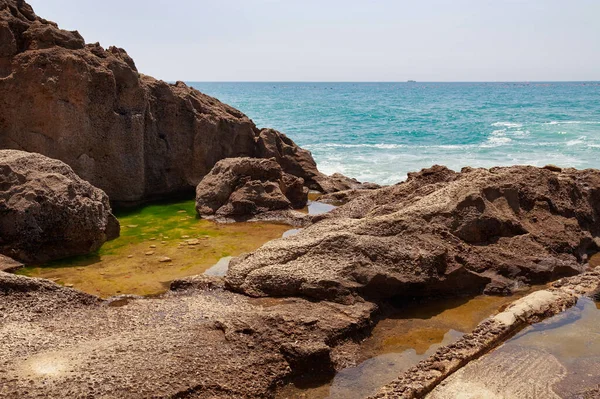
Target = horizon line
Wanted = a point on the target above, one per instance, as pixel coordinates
(383, 81)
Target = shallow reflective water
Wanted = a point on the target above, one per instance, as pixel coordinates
(570, 339)
(158, 243)
(406, 336)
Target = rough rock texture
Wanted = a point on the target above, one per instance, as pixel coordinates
(419, 380)
(238, 187)
(440, 232)
(9, 264)
(47, 211)
(338, 182)
(57, 342)
(131, 135)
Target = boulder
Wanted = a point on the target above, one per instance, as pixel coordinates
(135, 137)
(239, 187)
(438, 233)
(47, 212)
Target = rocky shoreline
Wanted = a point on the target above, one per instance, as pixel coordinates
(98, 132)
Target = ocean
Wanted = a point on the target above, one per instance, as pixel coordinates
(379, 132)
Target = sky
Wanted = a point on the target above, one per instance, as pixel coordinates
(344, 40)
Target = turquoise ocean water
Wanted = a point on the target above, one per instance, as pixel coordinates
(380, 131)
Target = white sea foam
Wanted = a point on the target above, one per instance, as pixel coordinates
(580, 140)
(572, 123)
(495, 142)
(337, 145)
(510, 125)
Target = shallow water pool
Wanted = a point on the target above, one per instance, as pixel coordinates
(158, 243)
(407, 335)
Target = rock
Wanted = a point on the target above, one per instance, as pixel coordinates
(342, 197)
(438, 233)
(149, 253)
(247, 186)
(8, 264)
(164, 259)
(192, 241)
(200, 282)
(199, 341)
(338, 182)
(129, 134)
(47, 212)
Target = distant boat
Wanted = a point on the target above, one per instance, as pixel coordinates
(412, 81)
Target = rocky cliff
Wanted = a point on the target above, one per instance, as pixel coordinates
(129, 134)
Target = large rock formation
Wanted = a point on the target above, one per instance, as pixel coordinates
(238, 187)
(131, 135)
(47, 212)
(440, 232)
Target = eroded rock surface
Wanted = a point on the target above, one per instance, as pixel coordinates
(129, 134)
(47, 212)
(238, 187)
(338, 182)
(60, 343)
(440, 232)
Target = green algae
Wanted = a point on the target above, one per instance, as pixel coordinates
(158, 243)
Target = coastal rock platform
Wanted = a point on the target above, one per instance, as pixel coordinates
(190, 343)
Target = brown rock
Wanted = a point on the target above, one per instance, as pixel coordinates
(8, 264)
(200, 342)
(440, 232)
(338, 182)
(131, 135)
(47, 212)
(248, 186)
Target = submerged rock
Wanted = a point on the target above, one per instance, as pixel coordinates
(129, 134)
(47, 212)
(440, 232)
(238, 187)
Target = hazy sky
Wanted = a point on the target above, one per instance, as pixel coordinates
(344, 40)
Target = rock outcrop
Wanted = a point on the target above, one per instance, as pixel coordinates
(241, 187)
(47, 212)
(133, 136)
(200, 344)
(440, 232)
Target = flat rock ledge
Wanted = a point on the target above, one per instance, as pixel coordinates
(197, 341)
(419, 380)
